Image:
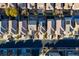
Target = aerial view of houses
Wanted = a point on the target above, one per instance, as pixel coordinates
(39, 29)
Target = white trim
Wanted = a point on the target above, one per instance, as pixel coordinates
(20, 27)
(10, 26)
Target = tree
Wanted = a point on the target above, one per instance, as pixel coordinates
(7, 11)
(45, 35)
(35, 13)
(11, 11)
(53, 13)
(25, 12)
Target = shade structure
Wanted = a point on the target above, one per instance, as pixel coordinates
(67, 43)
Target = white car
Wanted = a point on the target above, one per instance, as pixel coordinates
(72, 54)
(53, 54)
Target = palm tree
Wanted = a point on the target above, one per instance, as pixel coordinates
(36, 10)
(27, 18)
(62, 5)
(53, 5)
(45, 5)
(72, 9)
(35, 6)
(44, 9)
(19, 11)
